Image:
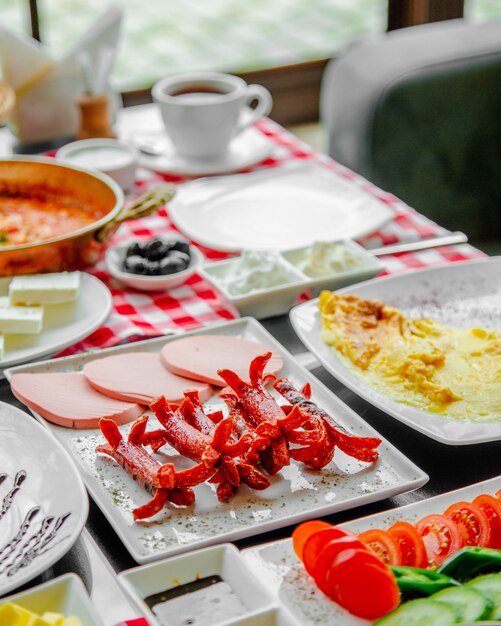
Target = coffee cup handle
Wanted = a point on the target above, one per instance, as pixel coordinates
(263, 107)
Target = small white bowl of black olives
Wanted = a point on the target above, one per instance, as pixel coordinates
(154, 264)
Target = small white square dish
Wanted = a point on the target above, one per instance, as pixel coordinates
(65, 594)
(236, 593)
(248, 281)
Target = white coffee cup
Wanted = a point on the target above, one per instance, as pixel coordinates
(203, 111)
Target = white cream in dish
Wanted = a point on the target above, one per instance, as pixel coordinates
(257, 269)
(45, 288)
(324, 258)
(205, 607)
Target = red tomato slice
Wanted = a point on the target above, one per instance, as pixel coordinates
(361, 584)
(329, 553)
(472, 523)
(383, 545)
(441, 537)
(491, 508)
(412, 550)
(498, 495)
(317, 542)
(303, 532)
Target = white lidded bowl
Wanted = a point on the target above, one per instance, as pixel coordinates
(110, 156)
(115, 256)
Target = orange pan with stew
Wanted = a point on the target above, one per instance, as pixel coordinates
(56, 217)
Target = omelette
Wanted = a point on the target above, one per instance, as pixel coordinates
(421, 362)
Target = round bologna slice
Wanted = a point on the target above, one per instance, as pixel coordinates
(140, 377)
(201, 356)
(67, 399)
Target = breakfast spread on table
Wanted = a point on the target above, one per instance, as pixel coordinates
(445, 370)
(220, 434)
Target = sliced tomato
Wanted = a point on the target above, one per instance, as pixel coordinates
(383, 545)
(303, 532)
(498, 495)
(329, 553)
(361, 584)
(317, 542)
(441, 537)
(472, 523)
(491, 508)
(412, 550)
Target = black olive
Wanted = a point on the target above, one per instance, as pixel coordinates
(181, 257)
(171, 265)
(135, 249)
(181, 246)
(153, 268)
(155, 249)
(136, 265)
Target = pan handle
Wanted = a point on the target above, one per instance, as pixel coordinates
(145, 205)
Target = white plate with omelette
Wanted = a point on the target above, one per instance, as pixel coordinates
(440, 377)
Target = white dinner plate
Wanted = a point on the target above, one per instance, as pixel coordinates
(42, 518)
(63, 325)
(246, 149)
(295, 494)
(280, 208)
(276, 565)
(464, 294)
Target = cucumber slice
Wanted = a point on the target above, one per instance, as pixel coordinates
(422, 612)
(489, 585)
(469, 603)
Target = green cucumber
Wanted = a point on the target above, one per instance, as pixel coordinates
(422, 612)
(469, 603)
(489, 585)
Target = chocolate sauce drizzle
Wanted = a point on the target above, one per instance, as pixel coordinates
(32, 539)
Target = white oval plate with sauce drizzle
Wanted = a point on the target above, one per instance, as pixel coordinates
(43, 503)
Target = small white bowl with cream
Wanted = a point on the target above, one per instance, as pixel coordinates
(267, 283)
(110, 156)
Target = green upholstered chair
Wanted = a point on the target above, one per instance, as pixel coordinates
(418, 112)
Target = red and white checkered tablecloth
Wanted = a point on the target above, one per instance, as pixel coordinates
(139, 315)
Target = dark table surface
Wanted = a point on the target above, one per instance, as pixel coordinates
(449, 467)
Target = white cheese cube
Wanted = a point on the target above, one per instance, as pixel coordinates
(45, 288)
(22, 320)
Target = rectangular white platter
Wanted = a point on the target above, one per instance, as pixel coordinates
(465, 295)
(279, 569)
(296, 493)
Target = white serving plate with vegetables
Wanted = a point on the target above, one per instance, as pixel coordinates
(277, 566)
(295, 494)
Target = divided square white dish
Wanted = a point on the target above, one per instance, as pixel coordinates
(277, 567)
(65, 594)
(223, 560)
(296, 493)
(278, 300)
(465, 294)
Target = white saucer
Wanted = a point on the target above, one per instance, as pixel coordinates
(248, 148)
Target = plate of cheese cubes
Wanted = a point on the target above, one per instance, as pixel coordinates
(41, 314)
